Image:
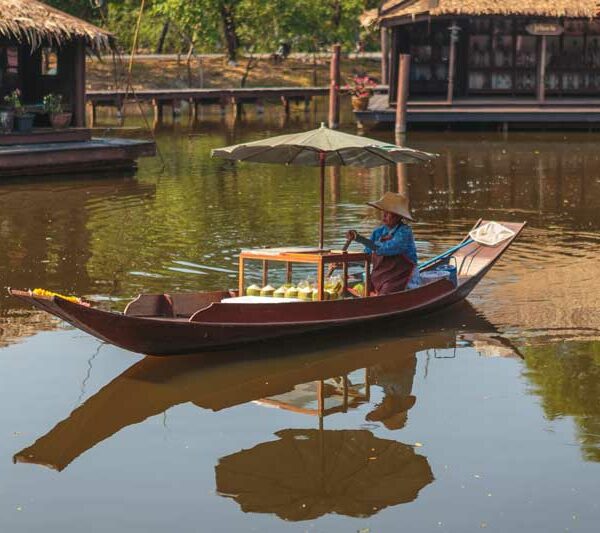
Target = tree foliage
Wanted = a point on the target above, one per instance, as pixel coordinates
(228, 25)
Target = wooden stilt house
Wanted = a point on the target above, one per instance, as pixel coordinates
(43, 51)
(490, 60)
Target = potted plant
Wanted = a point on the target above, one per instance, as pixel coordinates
(23, 120)
(360, 87)
(53, 105)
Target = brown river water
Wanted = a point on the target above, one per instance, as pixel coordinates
(485, 416)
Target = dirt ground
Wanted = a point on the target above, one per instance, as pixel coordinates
(213, 71)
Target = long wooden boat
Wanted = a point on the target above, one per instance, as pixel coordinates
(161, 324)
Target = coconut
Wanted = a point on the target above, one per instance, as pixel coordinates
(305, 293)
(359, 288)
(253, 290)
(292, 292)
(280, 293)
(267, 290)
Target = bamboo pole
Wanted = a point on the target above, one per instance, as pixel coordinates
(403, 81)
(334, 88)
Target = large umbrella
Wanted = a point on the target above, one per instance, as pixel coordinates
(309, 473)
(322, 147)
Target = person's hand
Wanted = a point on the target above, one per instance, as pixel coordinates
(351, 235)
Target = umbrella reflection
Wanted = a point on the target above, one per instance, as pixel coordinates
(308, 473)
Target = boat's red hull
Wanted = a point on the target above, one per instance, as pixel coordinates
(216, 324)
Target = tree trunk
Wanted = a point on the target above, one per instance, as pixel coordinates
(336, 17)
(163, 35)
(230, 29)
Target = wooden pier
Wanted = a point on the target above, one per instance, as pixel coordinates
(45, 151)
(234, 97)
(482, 111)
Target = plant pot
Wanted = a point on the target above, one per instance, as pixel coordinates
(60, 121)
(24, 123)
(7, 119)
(360, 103)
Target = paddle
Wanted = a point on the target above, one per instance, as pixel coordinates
(448, 252)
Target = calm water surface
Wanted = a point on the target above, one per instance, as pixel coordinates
(484, 416)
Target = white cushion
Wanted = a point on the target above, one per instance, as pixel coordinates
(259, 300)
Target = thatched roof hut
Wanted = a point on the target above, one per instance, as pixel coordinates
(398, 9)
(35, 23)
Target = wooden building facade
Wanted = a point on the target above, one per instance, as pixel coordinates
(521, 52)
(43, 51)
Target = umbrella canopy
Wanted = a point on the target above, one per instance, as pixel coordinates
(309, 473)
(322, 147)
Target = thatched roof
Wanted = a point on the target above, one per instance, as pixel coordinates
(397, 9)
(35, 23)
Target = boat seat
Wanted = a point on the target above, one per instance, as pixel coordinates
(173, 305)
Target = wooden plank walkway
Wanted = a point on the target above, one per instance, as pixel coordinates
(237, 97)
(487, 110)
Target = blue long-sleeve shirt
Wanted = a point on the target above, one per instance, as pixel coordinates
(401, 242)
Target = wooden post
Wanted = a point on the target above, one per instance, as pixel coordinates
(286, 104)
(454, 29)
(402, 176)
(158, 111)
(79, 90)
(334, 88)
(321, 280)
(175, 111)
(265, 273)
(385, 55)
(94, 114)
(541, 69)
(403, 81)
(241, 277)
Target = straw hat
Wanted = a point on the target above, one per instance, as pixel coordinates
(394, 203)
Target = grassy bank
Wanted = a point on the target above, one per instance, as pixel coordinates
(213, 71)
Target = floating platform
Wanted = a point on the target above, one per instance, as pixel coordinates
(584, 111)
(47, 151)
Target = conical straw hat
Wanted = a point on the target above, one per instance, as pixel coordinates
(394, 203)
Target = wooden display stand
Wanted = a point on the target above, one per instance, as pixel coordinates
(320, 258)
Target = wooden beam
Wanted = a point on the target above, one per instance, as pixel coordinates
(541, 69)
(334, 88)
(385, 55)
(403, 81)
(79, 82)
(454, 29)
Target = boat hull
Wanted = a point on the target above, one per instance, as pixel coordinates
(216, 325)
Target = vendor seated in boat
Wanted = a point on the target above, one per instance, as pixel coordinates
(392, 247)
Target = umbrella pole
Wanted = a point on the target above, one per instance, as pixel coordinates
(322, 214)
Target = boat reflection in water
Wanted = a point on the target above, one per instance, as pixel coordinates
(331, 378)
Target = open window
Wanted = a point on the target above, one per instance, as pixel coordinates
(9, 68)
(49, 61)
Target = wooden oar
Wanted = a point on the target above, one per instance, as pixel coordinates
(448, 252)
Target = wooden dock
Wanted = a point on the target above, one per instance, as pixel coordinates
(498, 111)
(76, 151)
(235, 97)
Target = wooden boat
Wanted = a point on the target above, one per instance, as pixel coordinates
(161, 324)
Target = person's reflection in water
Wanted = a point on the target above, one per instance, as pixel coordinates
(396, 379)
